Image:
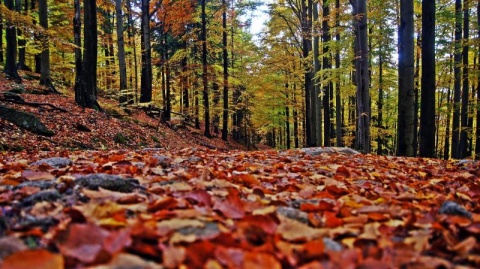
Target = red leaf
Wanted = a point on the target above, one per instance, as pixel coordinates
(232, 207)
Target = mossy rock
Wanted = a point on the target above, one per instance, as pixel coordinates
(25, 120)
(121, 139)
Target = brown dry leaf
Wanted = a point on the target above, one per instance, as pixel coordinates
(292, 230)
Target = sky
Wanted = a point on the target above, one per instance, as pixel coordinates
(259, 17)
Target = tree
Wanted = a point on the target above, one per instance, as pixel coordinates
(203, 40)
(86, 84)
(466, 85)
(121, 53)
(146, 78)
(427, 106)
(11, 52)
(362, 138)
(457, 88)
(45, 78)
(406, 82)
(225, 72)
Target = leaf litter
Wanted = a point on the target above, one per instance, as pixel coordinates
(203, 208)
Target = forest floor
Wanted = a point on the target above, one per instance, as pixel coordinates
(184, 205)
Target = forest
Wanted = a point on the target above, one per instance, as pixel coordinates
(385, 77)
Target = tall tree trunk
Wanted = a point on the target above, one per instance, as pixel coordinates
(122, 64)
(205, 70)
(466, 86)
(427, 107)
(86, 86)
(380, 104)
(406, 81)
(225, 72)
(146, 78)
(22, 42)
(77, 31)
(338, 99)
(477, 132)
(1, 39)
(326, 65)
(316, 107)
(362, 137)
(45, 78)
(306, 24)
(287, 116)
(10, 68)
(456, 150)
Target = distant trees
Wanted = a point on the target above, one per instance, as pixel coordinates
(11, 51)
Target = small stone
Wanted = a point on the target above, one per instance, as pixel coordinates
(293, 213)
(56, 162)
(452, 208)
(332, 244)
(41, 196)
(109, 182)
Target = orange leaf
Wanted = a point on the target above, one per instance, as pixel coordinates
(33, 258)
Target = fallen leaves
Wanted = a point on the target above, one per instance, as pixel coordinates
(200, 208)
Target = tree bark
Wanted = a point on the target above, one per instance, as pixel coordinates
(338, 100)
(225, 72)
(45, 78)
(317, 109)
(203, 40)
(362, 136)
(326, 38)
(427, 107)
(466, 86)
(456, 152)
(406, 81)
(306, 23)
(122, 64)
(86, 86)
(146, 78)
(477, 133)
(1, 39)
(10, 68)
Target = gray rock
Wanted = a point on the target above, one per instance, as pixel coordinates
(109, 182)
(56, 162)
(452, 208)
(41, 196)
(25, 120)
(329, 150)
(332, 244)
(293, 213)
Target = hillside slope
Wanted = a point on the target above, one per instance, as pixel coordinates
(78, 128)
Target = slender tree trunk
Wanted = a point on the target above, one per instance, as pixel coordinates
(406, 81)
(1, 39)
(77, 31)
(362, 137)
(122, 64)
(316, 109)
(146, 78)
(466, 86)
(306, 24)
(456, 150)
(132, 33)
(86, 86)
(338, 99)
(205, 70)
(22, 42)
(427, 115)
(287, 116)
(380, 104)
(45, 78)
(477, 132)
(10, 68)
(326, 38)
(225, 73)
